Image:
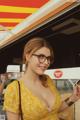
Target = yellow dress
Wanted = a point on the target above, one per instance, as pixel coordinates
(33, 108)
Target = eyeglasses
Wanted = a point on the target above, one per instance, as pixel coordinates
(42, 58)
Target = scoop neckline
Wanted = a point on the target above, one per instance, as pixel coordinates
(38, 99)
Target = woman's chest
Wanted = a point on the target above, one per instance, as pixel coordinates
(37, 104)
(43, 94)
(32, 107)
(38, 98)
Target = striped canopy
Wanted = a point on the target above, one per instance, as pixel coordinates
(12, 12)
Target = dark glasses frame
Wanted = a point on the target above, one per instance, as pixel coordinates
(42, 58)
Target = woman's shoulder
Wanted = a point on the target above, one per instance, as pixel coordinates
(11, 97)
(11, 91)
(12, 86)
(13, 83)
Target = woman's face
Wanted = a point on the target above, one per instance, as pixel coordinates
(40, 60)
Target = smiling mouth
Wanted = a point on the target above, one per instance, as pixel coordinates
(43, 68)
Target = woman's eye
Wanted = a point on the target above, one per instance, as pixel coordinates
(41, 56)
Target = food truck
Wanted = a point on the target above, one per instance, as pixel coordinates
(59, 22)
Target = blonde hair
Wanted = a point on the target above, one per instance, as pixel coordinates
(32, 46)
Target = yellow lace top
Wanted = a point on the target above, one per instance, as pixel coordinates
(33, 108)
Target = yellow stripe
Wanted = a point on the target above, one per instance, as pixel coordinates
(13, 9)
(10, 20)
(9, 28)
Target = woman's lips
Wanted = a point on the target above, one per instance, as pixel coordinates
(43, 68)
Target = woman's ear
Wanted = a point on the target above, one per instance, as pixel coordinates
(27, 57)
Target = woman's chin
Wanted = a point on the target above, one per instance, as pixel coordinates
(40, 72)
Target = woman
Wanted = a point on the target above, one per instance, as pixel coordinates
(40, 100)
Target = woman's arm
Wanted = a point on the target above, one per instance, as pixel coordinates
(12, 116)
(66, 103)
(72, 99)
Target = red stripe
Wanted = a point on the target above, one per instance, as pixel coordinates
(24, 3)
(13, 15)
(6, 24)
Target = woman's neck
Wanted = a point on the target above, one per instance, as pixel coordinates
(31, 76)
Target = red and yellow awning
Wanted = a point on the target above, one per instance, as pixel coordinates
(15, 11)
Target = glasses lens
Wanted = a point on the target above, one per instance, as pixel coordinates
(42, 58)
(49, 59)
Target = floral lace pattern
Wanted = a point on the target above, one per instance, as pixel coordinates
(32, 107)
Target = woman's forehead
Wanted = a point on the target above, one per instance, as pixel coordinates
(44, 50)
